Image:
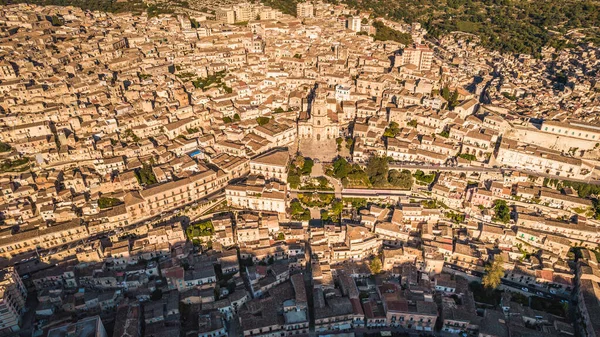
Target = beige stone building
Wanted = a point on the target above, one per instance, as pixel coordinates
(168, 196)
(42, 238)
(271, 166)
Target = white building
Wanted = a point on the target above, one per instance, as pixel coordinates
(354, 23)
(514, 154)
(270, 197)
(342, 93)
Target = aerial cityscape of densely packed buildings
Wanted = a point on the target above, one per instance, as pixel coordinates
(243, 172)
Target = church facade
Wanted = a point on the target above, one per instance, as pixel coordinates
(322, 122)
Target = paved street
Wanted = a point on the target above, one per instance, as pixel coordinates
(506, 284)
(467, 169)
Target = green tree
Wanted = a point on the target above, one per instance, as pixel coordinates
(468, 156)
(145, 175)
(129, 134)
(263, 120)
(596, 208)
(341, 168)
(424, 178)
(280, 236)
(293, 179)
(205, 228)
(501, 210)
(296, 207)
(493, 273)
(377, 170)
(349, 143)
(457, 218)
(356, 202)
(453, 101)
(446, 93)
(307, 167)
(17, 165)
(105, 202)
(375, 265)
(384, 33)
(337, 206)
(57, 21)
(299, 161)
(401, 179)
(392, 130)
(5, 147)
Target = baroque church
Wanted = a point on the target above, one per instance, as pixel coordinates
(321, 122)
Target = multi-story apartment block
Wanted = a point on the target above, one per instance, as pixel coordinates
(42, 238)
(305, 10)
(12, 301)
(270, 197)
(419, 55)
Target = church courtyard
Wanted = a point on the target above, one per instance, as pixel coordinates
(324, 150)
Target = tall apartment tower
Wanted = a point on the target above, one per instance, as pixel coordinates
(225, 15)
(354, 23)
(419, 55)
(12, 301)
(244, 12)
(305, 10)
